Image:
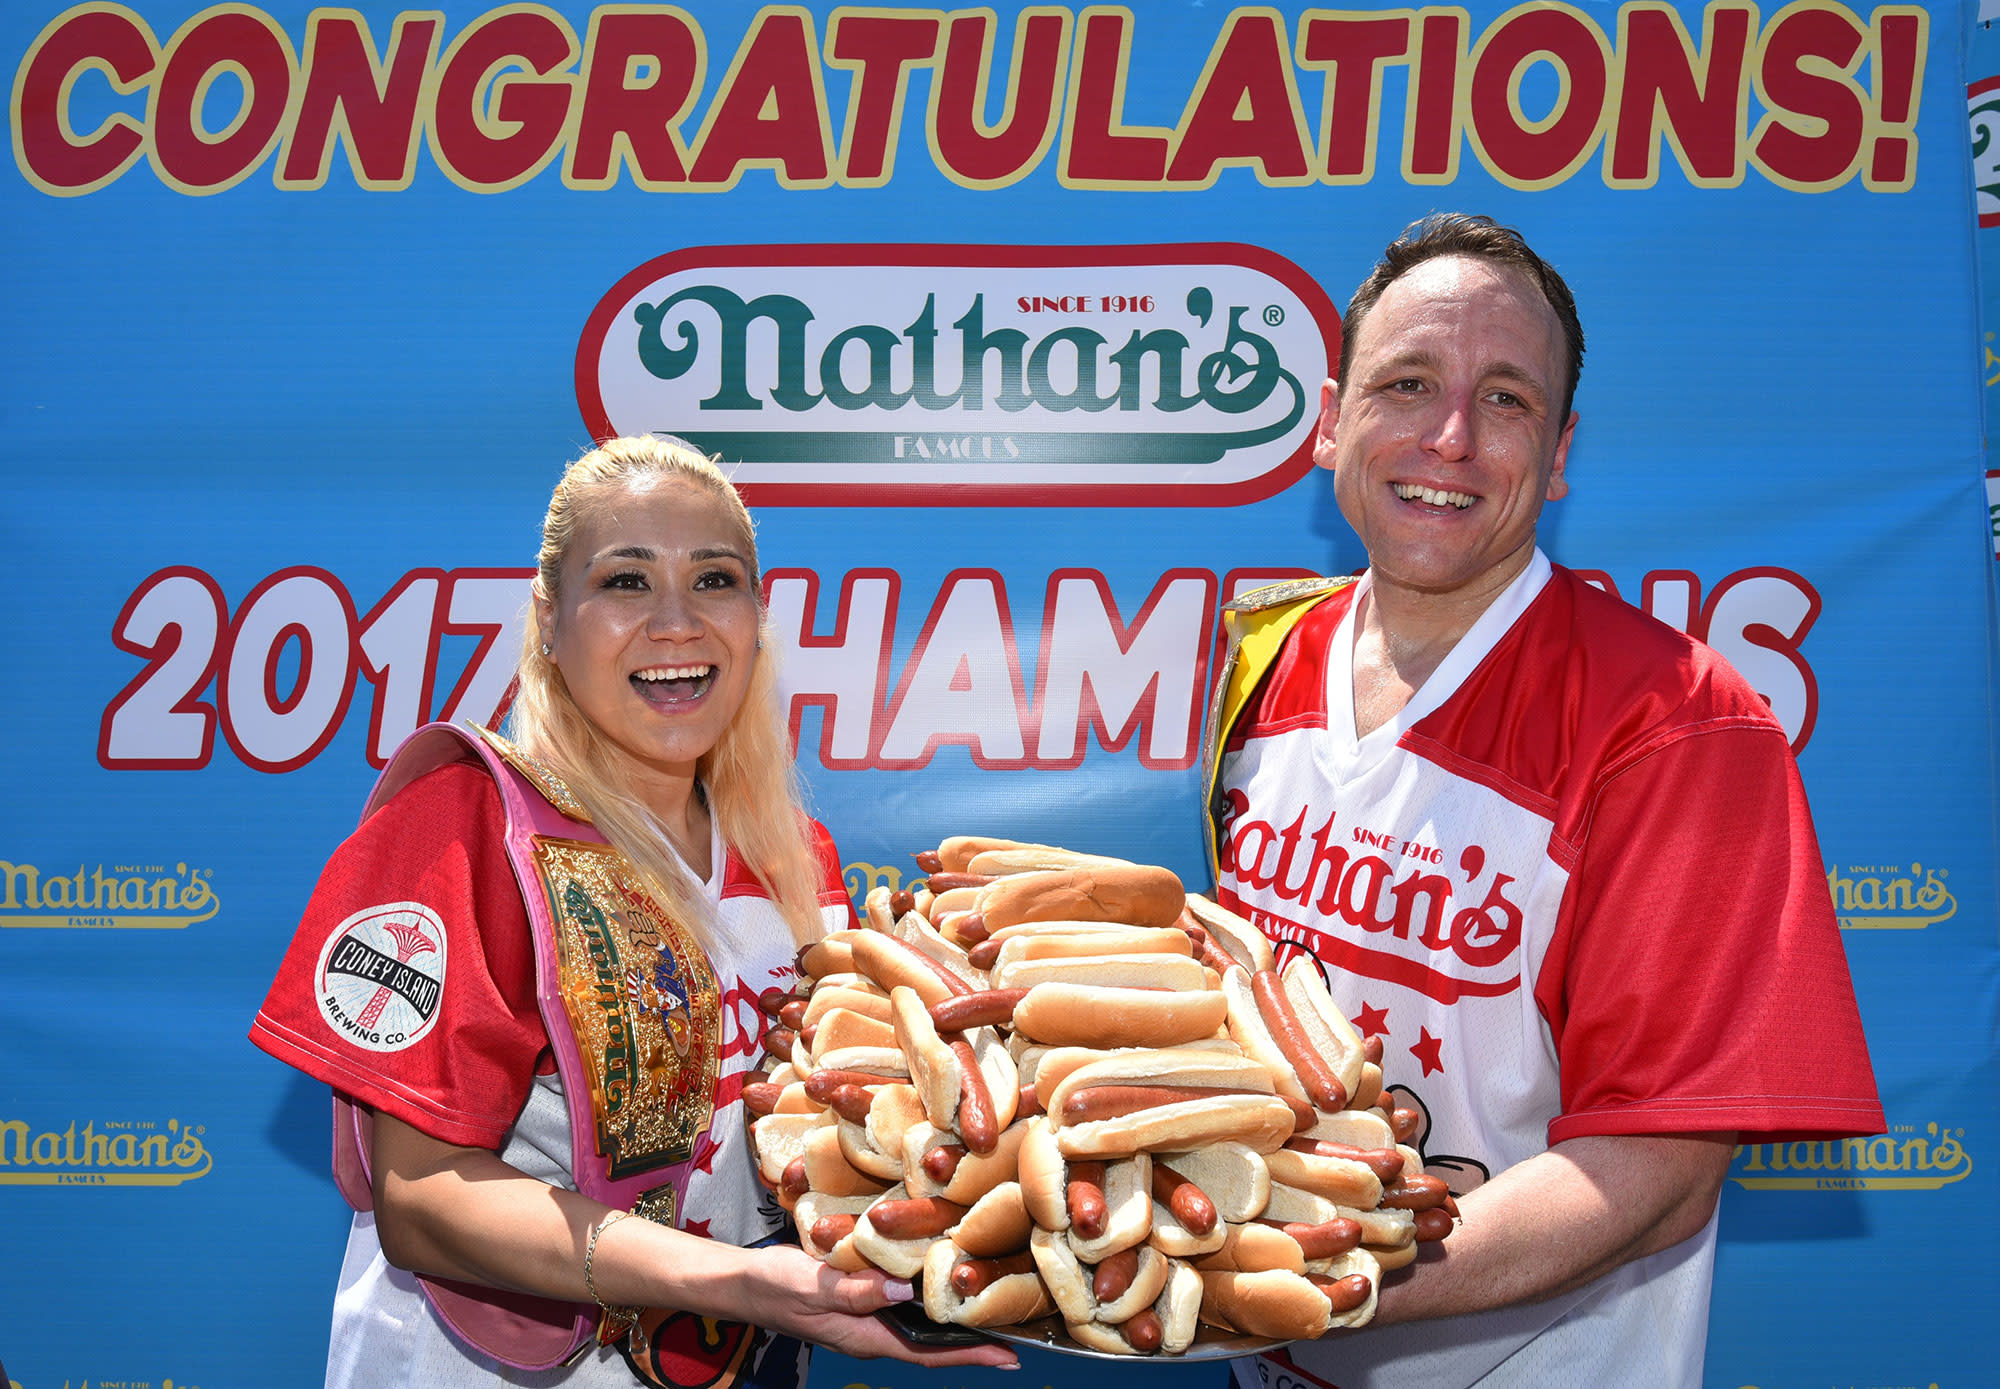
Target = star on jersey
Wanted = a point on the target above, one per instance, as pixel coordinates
(1373, 1022)
(1426, 1051)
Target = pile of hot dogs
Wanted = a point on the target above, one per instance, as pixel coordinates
(1052, 1082)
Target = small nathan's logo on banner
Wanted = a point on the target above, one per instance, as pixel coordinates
(970, 375)
(1904, 1159)
(105, 896)
(126, 1152)
(1890, 897)
(381, 976)
(1982, 111)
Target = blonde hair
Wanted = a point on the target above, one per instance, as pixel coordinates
(751, 784)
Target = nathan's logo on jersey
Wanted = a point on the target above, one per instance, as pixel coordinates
(1890, 897)
(919, 375)
(105, 896)
(116, 1152)
(1446, 922)
(1903, 1159)
(381, 974)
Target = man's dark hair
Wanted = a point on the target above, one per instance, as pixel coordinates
(1465, 234)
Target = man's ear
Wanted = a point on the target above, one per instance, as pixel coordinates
(1558, 477)
(1329, 417)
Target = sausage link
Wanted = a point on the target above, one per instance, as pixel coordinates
(1344, 1293)
(1321, 1085)
(1144, 1332)
(1084, 1195)
(1030, 1105)
(902, 902)
(1110, 1101)
(1304, 1116)
(830, 1230)
(793, 1014)
(917, 1217)
(771, 1000)
(1434, 1225)
(1403, 1124)
(941, 882)
(1328, 1240)
(984, 955)
(941, 1162)
(792, 1182)
(971, 1277)
(1114, 1275)
(761, 1098)
(851, 1102)
(820, 1085)
(929, 861)
(1188, 1202)
(1385, 1163)
(778, 1042)
(978, 1124)
(1371, 1050)
(969, 927)
(1420, 1193)
(987, 1008)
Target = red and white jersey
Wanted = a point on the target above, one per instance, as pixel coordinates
(1574, 887)
(480, 1072)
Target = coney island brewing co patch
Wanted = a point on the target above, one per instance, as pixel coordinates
(381, 975)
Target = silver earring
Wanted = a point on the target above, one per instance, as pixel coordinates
(760, 643)
(546, 652)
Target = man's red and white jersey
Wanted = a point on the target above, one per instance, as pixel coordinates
(1573, 885)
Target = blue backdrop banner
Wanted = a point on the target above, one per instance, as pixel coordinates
(1011, 322)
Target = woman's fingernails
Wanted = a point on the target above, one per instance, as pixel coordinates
(898, 1290)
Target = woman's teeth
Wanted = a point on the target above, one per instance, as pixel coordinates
(673, 684)
(1413, 492)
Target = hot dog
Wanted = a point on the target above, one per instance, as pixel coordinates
(968, 1082)
(1132, 894)
(1097, 1208)
(1290, 1306)
(1170, 1100)
(987, 1008)
(972, 1291)
(1188, 1203)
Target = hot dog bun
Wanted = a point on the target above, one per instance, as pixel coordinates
(1133, 894)
(997, 1223)
(1232, 934)
(1092, 1015)
(1011, 1298)
(1253, 1115)
(841, 1254)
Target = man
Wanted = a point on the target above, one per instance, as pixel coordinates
(1554, 853)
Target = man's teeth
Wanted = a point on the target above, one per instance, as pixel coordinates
(1410, 492)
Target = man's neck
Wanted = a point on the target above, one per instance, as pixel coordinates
(1402, 635)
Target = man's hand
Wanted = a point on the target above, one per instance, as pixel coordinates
(1562, 1218)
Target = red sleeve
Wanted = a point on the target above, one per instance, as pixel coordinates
(410, 983)
(833, 882)
(1696, 980)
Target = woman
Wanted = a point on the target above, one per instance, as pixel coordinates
(533, 977)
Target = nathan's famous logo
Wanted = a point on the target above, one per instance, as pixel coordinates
(860, 879)
(1889, 897)
(1901, 1160)
(128, 1152)
(1982, 102)
(107, 895)
(906, 375)
(1398, 896)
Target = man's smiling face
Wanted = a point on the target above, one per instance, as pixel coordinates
(1443, 437)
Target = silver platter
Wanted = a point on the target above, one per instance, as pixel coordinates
(1210, 1343)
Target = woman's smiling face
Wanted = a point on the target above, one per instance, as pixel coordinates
(655, 626)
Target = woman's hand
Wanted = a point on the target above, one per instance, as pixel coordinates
(462, 1213)
(795, 1294)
